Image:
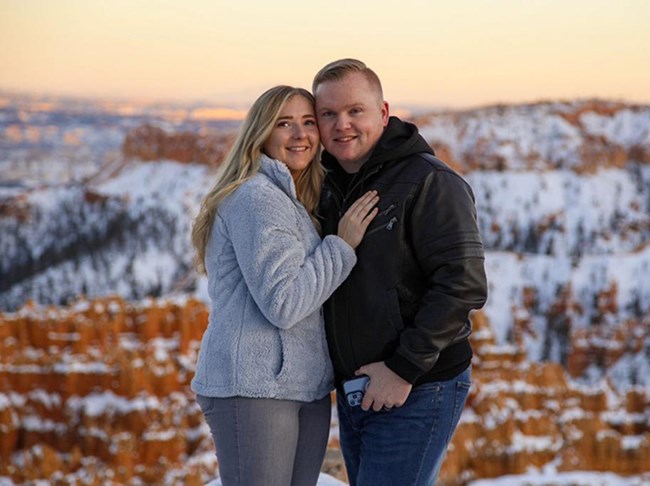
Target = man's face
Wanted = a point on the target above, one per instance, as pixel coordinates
(351, 118)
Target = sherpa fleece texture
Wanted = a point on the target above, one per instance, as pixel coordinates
(269, 272)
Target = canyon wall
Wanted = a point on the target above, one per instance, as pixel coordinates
(149, 142)
(99, 391)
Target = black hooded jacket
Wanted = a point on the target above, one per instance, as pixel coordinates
(420, 265)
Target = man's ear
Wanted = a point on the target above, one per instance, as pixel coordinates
(385, 112)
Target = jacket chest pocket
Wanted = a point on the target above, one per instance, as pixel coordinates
(387, 219)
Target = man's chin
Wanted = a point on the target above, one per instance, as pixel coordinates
(344, 156)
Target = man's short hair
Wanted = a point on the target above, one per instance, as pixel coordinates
(337, 70)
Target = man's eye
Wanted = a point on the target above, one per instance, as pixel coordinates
(327, 114)
(356, 111)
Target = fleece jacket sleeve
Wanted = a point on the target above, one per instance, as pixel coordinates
(286, 283)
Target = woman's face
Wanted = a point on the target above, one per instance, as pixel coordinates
(295, 138)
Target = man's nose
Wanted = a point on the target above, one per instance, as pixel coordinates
(342, 122)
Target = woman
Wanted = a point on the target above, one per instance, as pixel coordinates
(264, 376)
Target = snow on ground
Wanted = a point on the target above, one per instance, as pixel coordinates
(323, 480)
(531, 479)
(564, 479)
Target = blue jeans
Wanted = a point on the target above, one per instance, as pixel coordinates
(403, 446)
(269, 442)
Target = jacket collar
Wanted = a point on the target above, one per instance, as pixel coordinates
(279, 174)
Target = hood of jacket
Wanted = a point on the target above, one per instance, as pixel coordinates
(399, 140)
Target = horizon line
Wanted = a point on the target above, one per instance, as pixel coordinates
(232, 111)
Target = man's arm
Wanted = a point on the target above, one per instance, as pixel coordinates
(446, 241)
(448, 248)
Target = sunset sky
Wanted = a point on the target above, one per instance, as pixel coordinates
(452, 53)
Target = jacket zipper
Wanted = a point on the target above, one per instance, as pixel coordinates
(387, 210)
(388, 226)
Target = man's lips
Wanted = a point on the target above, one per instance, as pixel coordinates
(345, 139)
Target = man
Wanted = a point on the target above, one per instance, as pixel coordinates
(401, 317)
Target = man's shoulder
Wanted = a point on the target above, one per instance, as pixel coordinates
(429, 163)
(418, 166)
(425, 170)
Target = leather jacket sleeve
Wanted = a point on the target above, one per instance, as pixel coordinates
(447, 247)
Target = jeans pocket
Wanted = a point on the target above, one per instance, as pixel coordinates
(427, 396)
(463, 385)
(460, 397)
(206, 403)
(433, 386)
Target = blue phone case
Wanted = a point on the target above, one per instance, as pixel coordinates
(354, 390)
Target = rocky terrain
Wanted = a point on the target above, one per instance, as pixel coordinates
(96, 386)
(99, 392)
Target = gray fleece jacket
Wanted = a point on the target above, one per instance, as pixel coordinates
(269, 272)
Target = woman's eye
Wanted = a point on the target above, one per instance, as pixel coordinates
(310, 122)
(283, 124)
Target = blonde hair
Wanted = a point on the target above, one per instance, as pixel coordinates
(243, 162)
(337, 70)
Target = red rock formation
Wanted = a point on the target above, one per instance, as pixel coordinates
(521, 414)
(148, 142)
(444, 153)
(105, 376)
(604, 345)
(594, 106)
(640, 153)
(16, 207)
(102, 387)
(491, 149)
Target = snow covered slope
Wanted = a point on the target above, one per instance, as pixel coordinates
(563, 197)
(562, 191)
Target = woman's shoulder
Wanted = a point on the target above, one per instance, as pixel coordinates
(258, 192)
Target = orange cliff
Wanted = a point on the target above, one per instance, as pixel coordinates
(522, 414)
(148, 142)
(102, 387)
(100, 390)
(593, 152)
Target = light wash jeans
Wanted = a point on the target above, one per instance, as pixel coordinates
(268, 442)
(403, 446)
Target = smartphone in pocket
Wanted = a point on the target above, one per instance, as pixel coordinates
(354, 389)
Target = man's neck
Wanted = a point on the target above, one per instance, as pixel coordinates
(352, 167)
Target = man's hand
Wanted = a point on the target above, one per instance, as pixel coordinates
(386, 389)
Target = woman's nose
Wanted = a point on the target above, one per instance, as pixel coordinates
(298, 131)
